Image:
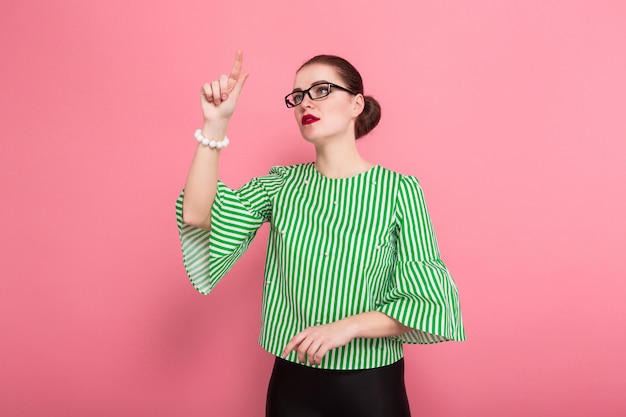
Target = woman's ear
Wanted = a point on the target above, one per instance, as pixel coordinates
(359, 104)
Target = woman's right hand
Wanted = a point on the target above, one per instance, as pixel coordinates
(219, 97)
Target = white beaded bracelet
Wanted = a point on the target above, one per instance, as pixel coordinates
(215, 144)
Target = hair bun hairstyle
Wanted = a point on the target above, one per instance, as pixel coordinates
(369, 117)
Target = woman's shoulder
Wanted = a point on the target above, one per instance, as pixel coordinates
(285, 170)
(279, 175)
(407, 187)
(402, 179)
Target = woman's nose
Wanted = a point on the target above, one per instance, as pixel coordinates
(306, 101)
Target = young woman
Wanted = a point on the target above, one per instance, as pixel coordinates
(353, 270)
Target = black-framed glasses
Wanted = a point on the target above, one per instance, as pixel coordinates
(315, 92)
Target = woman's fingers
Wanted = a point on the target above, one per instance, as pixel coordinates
(302, 349)
(224, 88)
(302, 344)
(313, 343)
(217, 95)
(321, 352)
(237, 65)
(207, 92)
(308, 345)
(295, 341)
(239, 84)
(312, 353)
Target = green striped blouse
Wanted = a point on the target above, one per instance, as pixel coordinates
(337, 247)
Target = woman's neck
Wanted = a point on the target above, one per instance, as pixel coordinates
(340, 159)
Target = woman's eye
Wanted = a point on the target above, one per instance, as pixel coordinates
(297, 98)
(322, 90)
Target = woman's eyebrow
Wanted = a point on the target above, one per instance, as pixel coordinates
(314, 83)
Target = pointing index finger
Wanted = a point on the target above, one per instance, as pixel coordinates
(236, 71)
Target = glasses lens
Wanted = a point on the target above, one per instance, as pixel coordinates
(294, 99)
(320, 90)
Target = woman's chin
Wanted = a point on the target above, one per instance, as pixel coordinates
(309, 136)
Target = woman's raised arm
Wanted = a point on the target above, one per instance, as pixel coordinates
(219, 99)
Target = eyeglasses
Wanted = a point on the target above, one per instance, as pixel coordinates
(315, 92)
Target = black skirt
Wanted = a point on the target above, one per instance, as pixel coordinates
(301, 391)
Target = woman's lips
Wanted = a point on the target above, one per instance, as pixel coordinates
(307, 119)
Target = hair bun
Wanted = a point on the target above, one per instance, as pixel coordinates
(369, 117)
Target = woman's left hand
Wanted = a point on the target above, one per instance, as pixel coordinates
(314, 342)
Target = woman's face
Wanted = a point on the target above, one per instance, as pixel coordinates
(330, 117)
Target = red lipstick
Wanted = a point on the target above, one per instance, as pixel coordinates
(307, 119)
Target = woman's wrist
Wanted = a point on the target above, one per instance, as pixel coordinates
(214, 129)
(213, 133)
(374, 324)
(211, 143)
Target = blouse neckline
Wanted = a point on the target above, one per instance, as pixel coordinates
(363, 174)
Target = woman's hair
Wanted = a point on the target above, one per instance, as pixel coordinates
(370, 116)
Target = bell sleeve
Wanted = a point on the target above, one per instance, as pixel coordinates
(422, 295)
(236, 216)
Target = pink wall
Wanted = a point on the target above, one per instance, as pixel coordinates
(511, 113)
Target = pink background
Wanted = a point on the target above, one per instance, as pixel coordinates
(511, 113)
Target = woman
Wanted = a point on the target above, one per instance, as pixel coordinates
(352, 271)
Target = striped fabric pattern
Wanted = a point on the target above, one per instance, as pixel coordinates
(337, 247)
